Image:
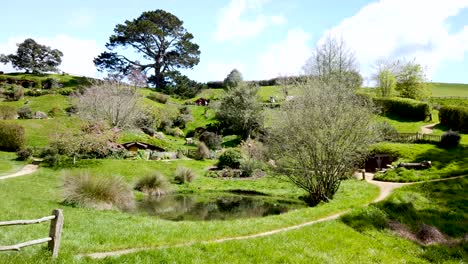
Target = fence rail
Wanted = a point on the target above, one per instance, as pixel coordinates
(55, 232)
(414, 137)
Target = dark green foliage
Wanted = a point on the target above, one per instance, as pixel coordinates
(230, 158)
(7, 112)
(182, 86)
(404, 108)
(182, 120)
(215, 85)
(12, 136)
(34, 57)
(211, 139)
(24, 154)
(454, 117)
(158, 97)
(450, 139)
(156, 35)
(55, 111)
(24, 112)
(30, 92)
(14, 92)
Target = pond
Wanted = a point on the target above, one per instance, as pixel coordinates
(221, 206)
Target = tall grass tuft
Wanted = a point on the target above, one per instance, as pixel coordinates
(153, 184)
(100, 192)
(183, 175)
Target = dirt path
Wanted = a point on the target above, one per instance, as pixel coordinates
(427, 129)
(28, 169)
(385, 190)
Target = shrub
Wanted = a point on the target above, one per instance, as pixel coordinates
(11, 136)
(454, 117)
(24, 154)
(176, 132)
(14, 93)
(215, 85)
(183, 175)
(66, 91)
(153, 184)
(73, 109)
(450, 139)
(405, 108)
(7, 112)
(386, 131)
(211, 140)
(158, 97)
(100, 192)
(230, 158)
(202, 151)
(182, 120)
(50, 83)
(233, 79)
(185, 110)
(24, 112)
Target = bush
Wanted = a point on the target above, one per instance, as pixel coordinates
(7, 112)
(450, 139)
(100, 192)
(66, 91)
(404, 108)
(11, 136)
(50, 83)
(73, 109)
(211, 140)
(176, 132)
(386, 131)
(153, 184)
(24, 154)
(182, 120)
(454, 117)
(24, 112)
(202, 151)
(183, 175)
(215, 85)
(158, 97)
(14, 93)
(230, 158)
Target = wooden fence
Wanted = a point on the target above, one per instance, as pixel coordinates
(415, 137)
(55, 232)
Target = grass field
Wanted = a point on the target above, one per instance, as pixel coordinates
(8, 163)
(449, 89)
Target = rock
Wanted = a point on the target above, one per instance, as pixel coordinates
(40, 115)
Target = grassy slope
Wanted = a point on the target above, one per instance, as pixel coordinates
(66, 80)
(8, 164)
(449, 89)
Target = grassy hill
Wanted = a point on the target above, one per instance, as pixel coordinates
(449, 89)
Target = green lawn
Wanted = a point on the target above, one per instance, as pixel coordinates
(88, 230)
(8, 163)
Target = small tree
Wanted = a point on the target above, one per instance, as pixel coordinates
(386, 82)
(112, 102)
(233, 79)
(241, 111)
(411, 81)
(332, 61)
(137, 77)
(34, 57)
(323, 134)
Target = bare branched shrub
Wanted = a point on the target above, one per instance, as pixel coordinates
(323, 134)
(112, 102)
(100, 192)
(153, 184)
(183, 175)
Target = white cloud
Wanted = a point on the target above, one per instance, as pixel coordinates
(404, 29)
(232, 23)
(78, 54)
(285, 57)
(81, 18)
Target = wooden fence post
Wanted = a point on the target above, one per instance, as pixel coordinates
(55, 232)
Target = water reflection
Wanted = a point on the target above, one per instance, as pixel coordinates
(214, 207)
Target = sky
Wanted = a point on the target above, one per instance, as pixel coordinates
(263, 39)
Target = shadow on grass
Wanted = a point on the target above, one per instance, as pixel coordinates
(443, 205)
(456, 159)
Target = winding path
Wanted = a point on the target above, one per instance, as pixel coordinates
(385, 190)
(28, 169)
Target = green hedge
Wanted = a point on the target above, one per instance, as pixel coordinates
(404, 108)
(11, 136)
(454, 117)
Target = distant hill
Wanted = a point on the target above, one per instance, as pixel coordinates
(449, 89)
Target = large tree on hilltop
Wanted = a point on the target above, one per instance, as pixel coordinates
(160, 37)
(34, 57)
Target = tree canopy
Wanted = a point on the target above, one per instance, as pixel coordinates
(233, 79)
(160, 38)
(34, 57)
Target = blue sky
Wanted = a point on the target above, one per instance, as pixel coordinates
(261, 38)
